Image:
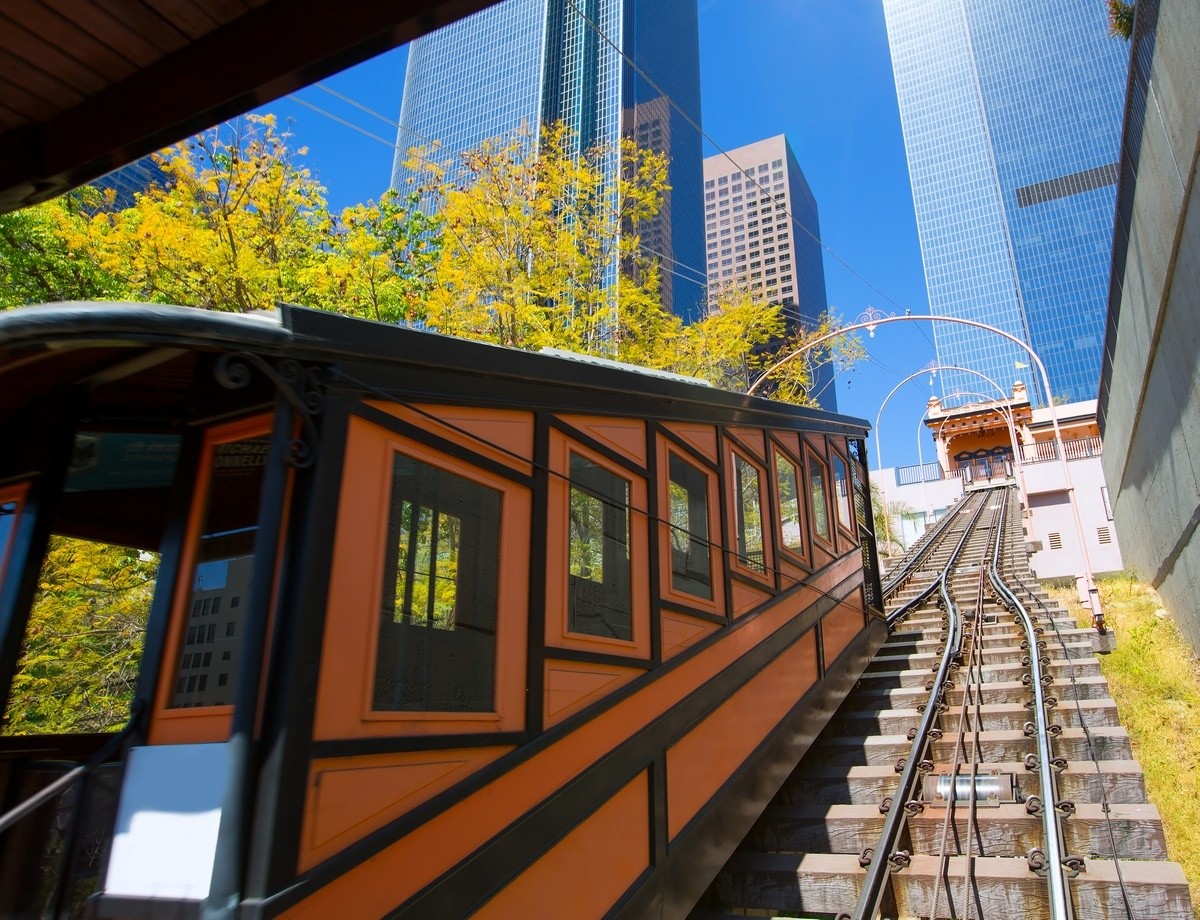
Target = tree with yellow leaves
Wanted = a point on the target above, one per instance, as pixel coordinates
(539, 244)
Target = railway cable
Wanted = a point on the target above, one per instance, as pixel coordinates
(971, 701)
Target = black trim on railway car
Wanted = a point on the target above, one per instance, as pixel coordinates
(654, 536)
(676, 607)
(539, 549)
(170, 549)
(678, 883)
(650, 736)
(55, 425)
(401, 744)
(723, 521)
(233, 841)
(406, 429)
(286, 737)
(556, 652)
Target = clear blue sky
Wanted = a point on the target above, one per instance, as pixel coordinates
(815, 70)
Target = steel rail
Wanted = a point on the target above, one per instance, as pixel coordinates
(1055, 856)
(902, 611)
(930, 539)
(883, 859)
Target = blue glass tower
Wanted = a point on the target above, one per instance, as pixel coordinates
(1011, 111)
(522, 63)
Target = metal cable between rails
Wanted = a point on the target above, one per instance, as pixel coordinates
(971, 700)
(882, 859)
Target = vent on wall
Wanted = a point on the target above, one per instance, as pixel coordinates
(1056, 541)
(1103, 535)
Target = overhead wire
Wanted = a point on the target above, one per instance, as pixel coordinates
(694, 274)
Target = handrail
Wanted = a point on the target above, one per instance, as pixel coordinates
(1060, 899)
(43, 795)
(880, 864)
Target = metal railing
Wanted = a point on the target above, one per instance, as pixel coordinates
(925, 472)
(1075, 449)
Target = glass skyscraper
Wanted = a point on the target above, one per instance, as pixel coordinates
(1011, 111)
(529, 62)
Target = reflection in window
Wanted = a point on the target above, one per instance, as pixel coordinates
(841, 486)
(437, 626)
(789, 503)
(820, 508)
(209, 653)
(749, 515)
(691, 568)
(8, 517)
(599, 599)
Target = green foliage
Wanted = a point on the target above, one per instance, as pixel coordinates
(1154, 678)
(79, 663)
(39, 264)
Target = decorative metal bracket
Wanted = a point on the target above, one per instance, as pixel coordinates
(303, 386)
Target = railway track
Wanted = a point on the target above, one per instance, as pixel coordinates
(978, 770)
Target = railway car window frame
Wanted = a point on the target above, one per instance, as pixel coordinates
(598, 544)
(796, 477)
(438, 520)
(742, 516)
(817, 475)
(558, 631)
(842, 500)
(346, 680)
(183, 723)
(688, 503)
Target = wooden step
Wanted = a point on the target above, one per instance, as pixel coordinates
(1109, 743)
(1007, 829)
(998, 887)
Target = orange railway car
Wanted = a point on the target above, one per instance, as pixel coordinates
(438, 628)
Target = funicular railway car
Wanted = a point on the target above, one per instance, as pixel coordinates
(438, 628)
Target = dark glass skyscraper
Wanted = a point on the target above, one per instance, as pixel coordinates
(527, 62)
(1011, 111)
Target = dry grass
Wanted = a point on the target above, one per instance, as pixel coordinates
(1154, 677)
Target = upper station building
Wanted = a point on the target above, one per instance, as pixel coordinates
(763, 233)
(607, 69)
(1011, 112)
(1009, 441)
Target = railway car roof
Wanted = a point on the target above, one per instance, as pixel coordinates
(138, 353)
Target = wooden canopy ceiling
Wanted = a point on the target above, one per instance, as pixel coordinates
(90, 85)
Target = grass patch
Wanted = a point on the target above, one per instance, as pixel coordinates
(1154, 678)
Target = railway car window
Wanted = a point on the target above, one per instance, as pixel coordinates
(691, 564)
(210, 647)
(437, 628)
(83, 644)
(841, 485)
(749, 515)
(788, 479)
(820, 504)
(599, 600)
